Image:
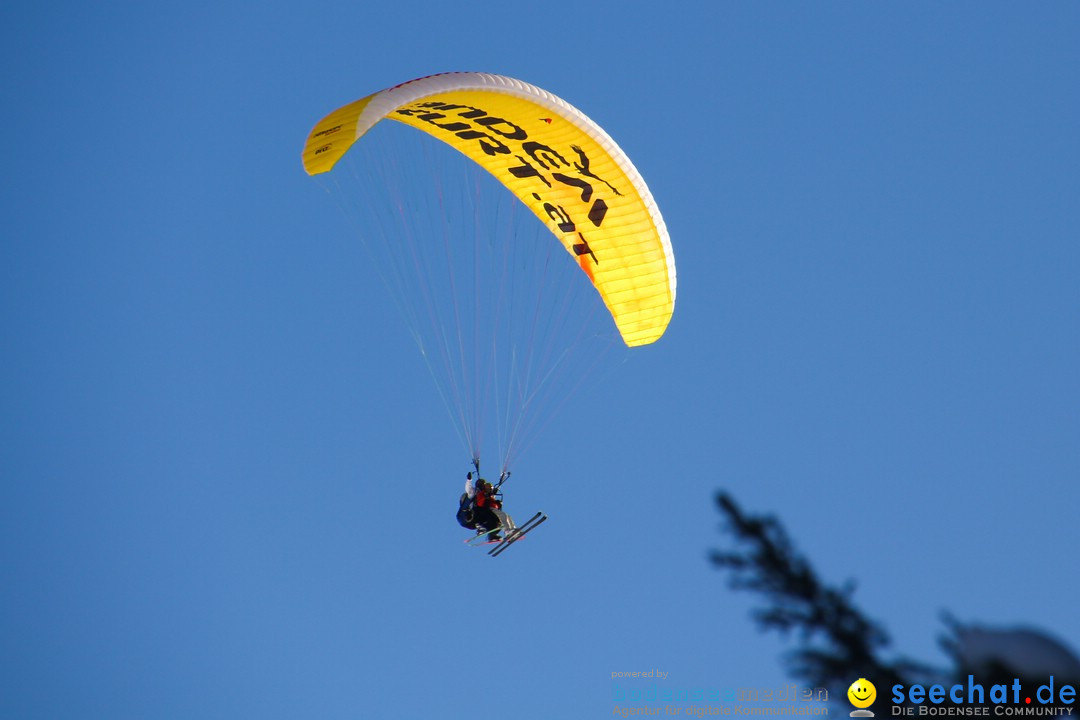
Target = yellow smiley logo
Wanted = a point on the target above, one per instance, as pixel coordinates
(862, 693)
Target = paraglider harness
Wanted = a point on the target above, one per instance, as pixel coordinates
(466, 514)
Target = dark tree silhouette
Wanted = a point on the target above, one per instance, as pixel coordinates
(839, 643)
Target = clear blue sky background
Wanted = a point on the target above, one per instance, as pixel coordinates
(226, 481)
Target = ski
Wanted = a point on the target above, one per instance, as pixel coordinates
(519, 532)
(510, 540)
(514, 530)
(483, 538)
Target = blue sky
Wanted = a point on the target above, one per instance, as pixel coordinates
(227, 482)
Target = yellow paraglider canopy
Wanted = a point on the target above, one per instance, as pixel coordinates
(557, 161)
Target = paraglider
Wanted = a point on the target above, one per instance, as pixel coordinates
(480, 509)
(580, 185)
